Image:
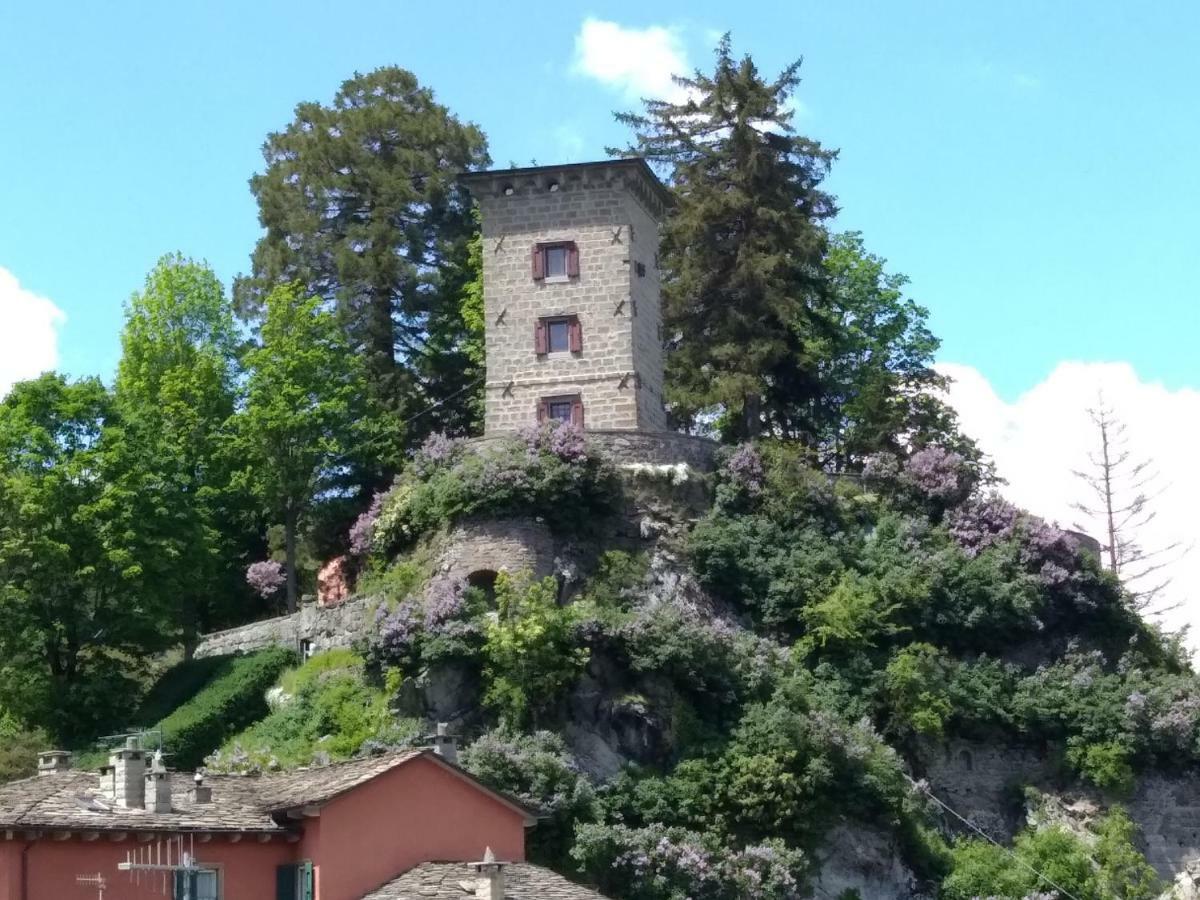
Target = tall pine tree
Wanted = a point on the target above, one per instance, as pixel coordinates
(361, 207)
(741, 256)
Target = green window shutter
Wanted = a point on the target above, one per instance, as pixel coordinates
(179, 889)
(285, 883)
(306, 881)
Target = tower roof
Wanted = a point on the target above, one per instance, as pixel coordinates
(639, 177)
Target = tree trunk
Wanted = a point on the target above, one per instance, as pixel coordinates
(289, 539)
(751, 416)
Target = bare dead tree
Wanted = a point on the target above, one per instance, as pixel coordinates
(1121, 490)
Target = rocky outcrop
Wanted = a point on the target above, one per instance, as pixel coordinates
(865, 861)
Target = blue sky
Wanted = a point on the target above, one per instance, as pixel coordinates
(1031, 165)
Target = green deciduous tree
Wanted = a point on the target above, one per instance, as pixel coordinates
(301, 413)
(878, 385)
(81, 559)
(741, 254)
(176, 391)
(361, 206)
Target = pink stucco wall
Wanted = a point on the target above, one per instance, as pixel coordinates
(247, 868)
(415, 813)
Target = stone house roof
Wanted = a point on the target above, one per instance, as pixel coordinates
(74, 801)
(456, 881)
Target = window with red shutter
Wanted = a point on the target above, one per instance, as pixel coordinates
(558, 334)
(561, 409)
(557, 261)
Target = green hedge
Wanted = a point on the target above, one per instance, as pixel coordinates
(179, 684)
(233, 698)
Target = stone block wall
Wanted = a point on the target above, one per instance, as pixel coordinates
(620, 337)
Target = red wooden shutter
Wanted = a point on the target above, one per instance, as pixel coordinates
(541, 342)
(577, 413)
(539, 263)
(543, 412)
(575, 336)
(572, 261)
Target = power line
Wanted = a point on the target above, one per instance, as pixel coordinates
(991, 840)
(442, 402)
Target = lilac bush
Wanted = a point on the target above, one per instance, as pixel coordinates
(676, 864)
(545, 472)
(362, 532)
(266, 577)
(445, 600)
(397, 630)
(744, 469)
(939, 474)
(561, 439)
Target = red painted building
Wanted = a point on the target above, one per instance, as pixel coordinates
(381, 826)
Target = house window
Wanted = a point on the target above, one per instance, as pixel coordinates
(199, 884)
(558, 334)
(294, 882)
(568, 408)
(555, 262)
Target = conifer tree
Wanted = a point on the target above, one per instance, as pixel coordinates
(741, 254)
(361, 206)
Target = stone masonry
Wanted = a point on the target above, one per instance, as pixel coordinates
(609, 211)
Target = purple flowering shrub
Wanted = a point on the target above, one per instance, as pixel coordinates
(544, 472)
(744, 469)
(265, 578)
(538, 770)
(362, 532)
(673, 864)
(932, 478)
(439, 623)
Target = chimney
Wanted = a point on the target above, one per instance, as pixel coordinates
(445, 744)
(489, 877)
(199, 793)
(52, 761)
(129, 771)
(157, 791)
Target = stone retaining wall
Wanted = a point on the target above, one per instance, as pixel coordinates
(658, 448)
(322, 627)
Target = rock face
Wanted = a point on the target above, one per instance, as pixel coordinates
(860, 859)
(982, 782)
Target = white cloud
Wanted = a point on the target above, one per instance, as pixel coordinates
(638, 62)
(28, 332)
(1039, 439)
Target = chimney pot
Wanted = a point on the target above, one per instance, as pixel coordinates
(200, 792)
(445, 744)
(52, 761)
(489, 877)
(129, 775)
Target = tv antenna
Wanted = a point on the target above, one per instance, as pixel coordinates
(97, 881)
(165, 859)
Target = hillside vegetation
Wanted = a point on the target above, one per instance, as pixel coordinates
(841, 622)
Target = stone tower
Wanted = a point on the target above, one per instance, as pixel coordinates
(571, 295)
